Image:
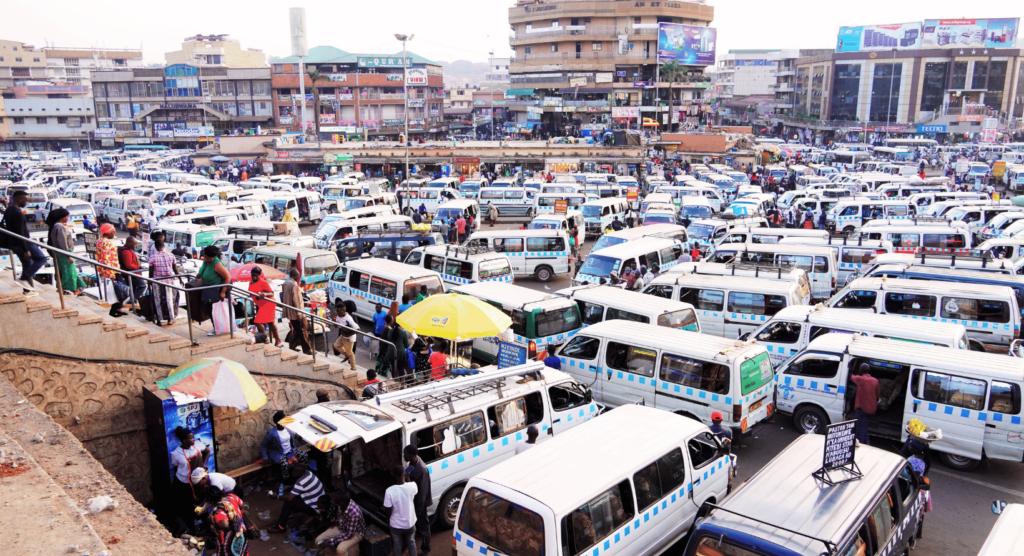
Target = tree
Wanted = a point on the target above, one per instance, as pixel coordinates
(671, 71)
(316, 77)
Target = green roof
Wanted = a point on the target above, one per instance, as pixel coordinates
(332, 55)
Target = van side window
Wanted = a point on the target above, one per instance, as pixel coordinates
(518, 322)
(339, 274)
(457, 435)
(906, 239)
(1004, 398)
(815, 365)
(858, 299)
(670, 254)
(564, 398)
(905, 480)
(620, 314)
(708, 300)
(694, 373)
(265, 259)
(581, 347)
(514, 415)
(435, 263)
(983, 310)
(659, 291)
(358, 281)
(756, 303)
(858, 256)
(880, 522)
(414, 258)
(781, 332)
(952, 390)
(623, 357)
(659, 479)
(508, 245)
(383, 288)
(703, 449)
(819, 330)
(587, 525)
(535, 244)
(592, 313)
(910, 304)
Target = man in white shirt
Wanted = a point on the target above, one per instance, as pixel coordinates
(399, 499)
(346, 336)
(226, 484)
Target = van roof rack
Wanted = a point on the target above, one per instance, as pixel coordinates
(966, 256)
(467, 249)
(435, 395)
(758, 268)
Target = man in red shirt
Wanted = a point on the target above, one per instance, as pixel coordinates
(460, 227)
(438, 365)
(132, 288)
(866, 402)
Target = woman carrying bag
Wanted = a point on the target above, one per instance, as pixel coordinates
(63, 237)
(211, 273)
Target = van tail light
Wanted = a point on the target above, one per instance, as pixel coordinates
(833, 282)
(737, 413)
(532, 350)
(455, 550)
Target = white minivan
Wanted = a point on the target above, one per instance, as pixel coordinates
(629, 362)
(367, 282)
(973, 398)
(458, 265)
(645, 252)
(604, 303)
(635, 485)
(538, 253)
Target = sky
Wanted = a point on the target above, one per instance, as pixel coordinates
(445, 30)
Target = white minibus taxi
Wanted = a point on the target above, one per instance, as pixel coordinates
(655, 471)
(990, 313)
(454, 210)
(974, 398)
(303, 205)
(744, 234)
(601, 303)
(782, 273)
(849, 215)
(667, 231)
(922, 238)
(538, 253)
(706, 231)
(460, 265)
(728, 306)
(540, 321)
(545, 202)
(852, 254)
(792, 328)
(818, 261)
(552, 221)
(509, 201)
(645, 252)
(600, 214)
(331, 231)
(367, 282)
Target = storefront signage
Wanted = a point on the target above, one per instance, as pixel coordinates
(284, 154)
(970, 118)
(330, 158)
(286, 120)
(595, 109)
(104, 132)
(625, 111)
(382, 62)
(416, 76)
(421, 102)
(643, 84)
(337, 77)
(578, 82)
(180, 106)
(164, 133)
(465, 161)
(931, 129)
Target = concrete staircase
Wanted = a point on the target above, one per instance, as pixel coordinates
(84, 329)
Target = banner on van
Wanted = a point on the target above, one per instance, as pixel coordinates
(755, 373)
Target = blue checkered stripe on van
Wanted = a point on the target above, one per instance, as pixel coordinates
(996, 326)
(969, 414)
(808, 384)
(779, 350)
(667, 504)
(460, 280)
(556, 339)
(365, 295)
(752, 319)
(585, 414)
(539, 254)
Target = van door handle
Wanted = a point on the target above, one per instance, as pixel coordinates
(696, 482)
(990, 425)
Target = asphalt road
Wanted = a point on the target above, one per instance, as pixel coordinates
(961, 518)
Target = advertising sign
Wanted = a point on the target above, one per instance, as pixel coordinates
(104, 132)
(578, 82)
(386, 62)
(510, 355)
(869, 38)
(839, 445)
(633, 194)
(931, 129)
(561, 206)
(969, 33)
(420, 102)
(686, 44)
(416, 76)
(625, 111)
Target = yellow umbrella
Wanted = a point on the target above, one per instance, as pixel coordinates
(454, 317)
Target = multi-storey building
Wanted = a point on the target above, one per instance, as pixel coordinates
(20, 62)
(181, 104)
(361, 94)
(745, 72)
(219, 51)
(45, 115)
(497, 70)
(75, 65)
(577, 60)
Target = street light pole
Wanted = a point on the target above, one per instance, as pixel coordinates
(892, 77)
(405, 91)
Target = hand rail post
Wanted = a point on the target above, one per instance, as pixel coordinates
(14, 271)
(60, 289)
(188, 317)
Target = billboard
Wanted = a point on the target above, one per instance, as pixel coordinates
(870, 38)
(686, 44)
(416, 76)
(970, 33)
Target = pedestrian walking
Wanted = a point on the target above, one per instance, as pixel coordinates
(346, 335)
(292, 291)
(62, 237)
(865, 401)
(162, 265)
(32, 258)
(399, 500)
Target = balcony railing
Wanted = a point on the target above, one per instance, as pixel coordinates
(590, 55)
(586, 31)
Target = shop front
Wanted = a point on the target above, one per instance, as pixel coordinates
(562, 165)
(466, 166)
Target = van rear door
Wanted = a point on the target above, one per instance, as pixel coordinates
(954, 404)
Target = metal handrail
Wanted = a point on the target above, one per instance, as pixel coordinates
(157, 281)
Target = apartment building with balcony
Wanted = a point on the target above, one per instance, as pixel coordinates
(180, 104)
(361, 94)
(577, 59)
(44, 115)
(219, 51)
(497, 70)
(746, 72)
(19, 63)
(75, 65)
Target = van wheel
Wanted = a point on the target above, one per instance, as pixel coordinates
(448, 509)
(974, 345)
(333, 209)
(959, 463)
(121, 225)
(849, 231)
(810, 419)
(544, 274)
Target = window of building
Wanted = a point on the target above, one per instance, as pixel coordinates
(35, 59)
(17, 59)
(62, 120)
(996, 82)
(845, 92)
(978, 75)
(527, 50)
(885, 92)
(18, 121)
(261, 88)
(959, 75)
(41, 121)
(554, 47)
(596, 46)
(935, 74)
(19, 72)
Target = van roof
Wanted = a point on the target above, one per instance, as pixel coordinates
(306, 252)
(616, 445)
(645, 231)
(642, 245)
(624, 298)
(511, 295)
(454, 252)
(927, 286)
(516, 233)
(733, 283)
(955, 274)
(860, 321)
(786, 494)
(994, 365)
(712, 348)
(387, 266)
(787, 248)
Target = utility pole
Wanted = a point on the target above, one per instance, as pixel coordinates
(405, 91)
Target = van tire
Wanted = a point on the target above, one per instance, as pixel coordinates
(959, 463)
(688, 415)
(544, 274)
(121, 225)
(809, 418)
(333, 209)
(975, 345)
(849, 231)
(448, 509)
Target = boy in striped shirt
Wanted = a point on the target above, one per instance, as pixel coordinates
(303, 496)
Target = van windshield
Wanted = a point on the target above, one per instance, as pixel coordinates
(683, 319)
(591, 211)
(606, 241)
(433, 284)
(494, 268)
(661, 218)
(351, 204)
(700, 231)
(319, 265)
(469, 186)
(600, 266)
(448, 212)
(544, 225)
(696, 211)
(557, 321)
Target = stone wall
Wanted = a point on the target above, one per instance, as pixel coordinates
(101, 404)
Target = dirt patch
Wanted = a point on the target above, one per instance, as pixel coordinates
(63, 458)
(11, 469)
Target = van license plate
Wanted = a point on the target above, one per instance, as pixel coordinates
(754, 406)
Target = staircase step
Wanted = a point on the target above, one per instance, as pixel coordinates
(211, 344)
(64, 313)
(321, 366)
(158, 337)
(36, 306)
(11, 299)
(305, 360)
(89, 319)
(289, 355)
(269, 351)
(179, 344)
(109, 326)
(136, 332)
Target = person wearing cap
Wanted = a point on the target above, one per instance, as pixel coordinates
(723, 433)
(205, 479)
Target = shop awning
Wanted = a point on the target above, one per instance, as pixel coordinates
(458, 111)
(518, 92)
(584, 91)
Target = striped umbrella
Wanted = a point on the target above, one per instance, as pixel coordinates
(224, 383)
